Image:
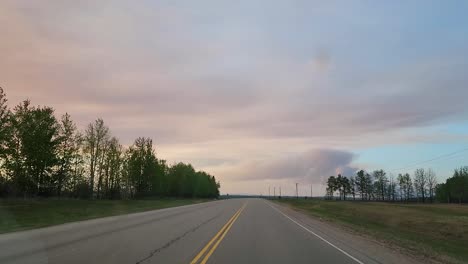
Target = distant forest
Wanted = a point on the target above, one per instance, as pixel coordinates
(43, 156)
(422, 187)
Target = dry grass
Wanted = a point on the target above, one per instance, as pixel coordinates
(437, 231)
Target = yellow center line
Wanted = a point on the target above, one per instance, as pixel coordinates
(213, 239)
(219, 235)
(221, 238)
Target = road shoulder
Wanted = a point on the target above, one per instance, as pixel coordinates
(363, 247)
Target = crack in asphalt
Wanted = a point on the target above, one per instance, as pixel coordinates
(99, 233)
(171, 242)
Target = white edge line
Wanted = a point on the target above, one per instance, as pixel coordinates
(315, 234)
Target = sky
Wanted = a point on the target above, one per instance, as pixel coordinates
(259, 93)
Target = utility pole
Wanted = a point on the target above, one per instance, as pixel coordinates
(280, 191)
(274, 192)
(297, 193)
(311, 191)
(269, 192)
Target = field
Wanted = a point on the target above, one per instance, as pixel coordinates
(436, 231)
(18, 215)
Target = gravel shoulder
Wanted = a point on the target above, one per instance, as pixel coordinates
(359, 245)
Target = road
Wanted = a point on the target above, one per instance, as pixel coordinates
(228, 231)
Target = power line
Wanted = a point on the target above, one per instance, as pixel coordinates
(448, 155)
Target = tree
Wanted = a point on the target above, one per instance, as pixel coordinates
(343, 185)
(43, 156)
(4, 139)
(361, 184)
(143, 168)
(332, 186)
(381, 183)
(78, 184)
(369, 186)
(13, 158)
(352, 182)
(4, 127)
(455, 188)
(102, 166)
(420, 183)
(32, 148)
(409, 187)
(68, 151)
(340, 184)
(96, 137)
(403, 182)
(4, 123)
(181, 180)
(206, 185)
(431, 183)
(113, 167)
(442, 193)
(392, 188)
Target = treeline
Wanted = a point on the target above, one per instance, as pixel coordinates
(378, 186)
(422, 186)
(41, 155)
(455, 189)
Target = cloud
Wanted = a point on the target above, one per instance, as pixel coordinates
(312, 166)
(220, 84)
(162, 69)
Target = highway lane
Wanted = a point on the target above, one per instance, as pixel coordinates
(229, 231)
(264, 235)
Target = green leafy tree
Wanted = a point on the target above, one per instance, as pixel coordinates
(442, 193)
(181, 180)
(4, 123)
(42, 156)
(4, 139)
(33, 149)
(14, 162)
(455, 188)
(68, 151)
(143, 168)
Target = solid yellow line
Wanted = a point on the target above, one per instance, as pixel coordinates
(221, 238)
(199, 255)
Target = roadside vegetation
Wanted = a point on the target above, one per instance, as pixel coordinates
(18, 215)
(437, 231)
(421, 187)
(42, 155)
(413, 212)
(52, 173)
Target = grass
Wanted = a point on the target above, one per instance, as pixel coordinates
(438, 231)
(16, 215)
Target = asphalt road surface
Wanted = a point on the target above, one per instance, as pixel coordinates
(228, 231)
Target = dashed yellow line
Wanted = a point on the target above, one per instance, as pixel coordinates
(218, 238)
